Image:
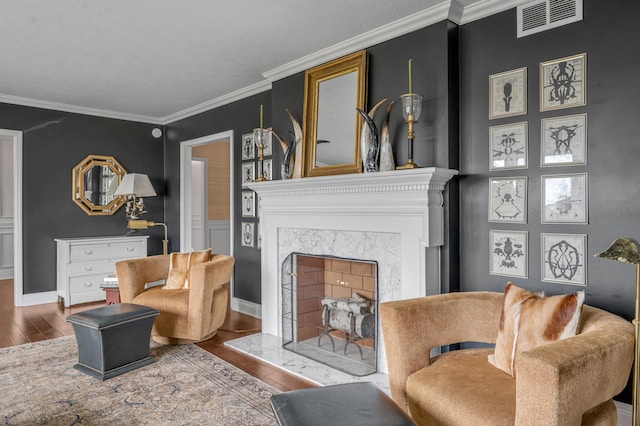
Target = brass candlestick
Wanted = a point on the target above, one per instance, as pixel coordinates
(259, 137)
(411, 109)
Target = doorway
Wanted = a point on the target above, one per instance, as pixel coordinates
(11, 210)
(218, 222)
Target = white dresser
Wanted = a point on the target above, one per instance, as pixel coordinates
(84, 262)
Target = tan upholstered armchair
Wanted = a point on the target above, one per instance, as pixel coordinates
(187, 314)
(567, 382)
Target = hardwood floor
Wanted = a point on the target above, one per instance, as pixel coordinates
(48, 321)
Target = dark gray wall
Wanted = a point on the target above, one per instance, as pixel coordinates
(434, 53)
(53, 143)
(241, 117)
(609, 36)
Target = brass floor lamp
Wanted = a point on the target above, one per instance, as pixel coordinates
(626, 250)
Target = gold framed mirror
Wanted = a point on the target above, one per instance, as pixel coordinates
(95, 179)
(332, 92)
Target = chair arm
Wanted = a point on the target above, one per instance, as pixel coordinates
(134, 274)
(557, 383)
(411, 328)
(204, 278)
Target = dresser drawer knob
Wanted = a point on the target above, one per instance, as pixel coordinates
(87, 268)
(87, 284)
(88, 252)
(130, 248)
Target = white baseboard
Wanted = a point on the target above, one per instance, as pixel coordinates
(6, 273)
(246, 307)
(624, 413)
(39, 298)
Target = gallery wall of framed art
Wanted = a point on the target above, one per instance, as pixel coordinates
(563, 197)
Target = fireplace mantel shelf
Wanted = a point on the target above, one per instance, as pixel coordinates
(415, 179)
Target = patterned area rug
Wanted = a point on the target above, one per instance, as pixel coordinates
(186, 385)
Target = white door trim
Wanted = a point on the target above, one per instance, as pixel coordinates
(18, 287)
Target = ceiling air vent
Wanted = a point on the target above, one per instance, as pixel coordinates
(542, 15)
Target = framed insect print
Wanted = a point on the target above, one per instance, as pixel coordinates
(508, 199)
(248, 148)
(248, 204)
(247, 234)
(564, 258)
(508, 93)
(248, 172)
(267, 166)
(563, 82)
(564, 141)
(564, 198)
(508, 253)
(508, 146)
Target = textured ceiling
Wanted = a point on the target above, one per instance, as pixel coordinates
(155, 58)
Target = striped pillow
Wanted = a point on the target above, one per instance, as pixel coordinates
(530, 319)
(179, 266)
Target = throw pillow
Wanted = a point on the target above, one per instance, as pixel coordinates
(530, 320)
(179, 266)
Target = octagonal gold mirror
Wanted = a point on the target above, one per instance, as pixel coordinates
(95, 180)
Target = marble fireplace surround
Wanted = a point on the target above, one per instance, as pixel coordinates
(390, 217)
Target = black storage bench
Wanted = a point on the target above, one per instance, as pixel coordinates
(347, 404)
(113, 339)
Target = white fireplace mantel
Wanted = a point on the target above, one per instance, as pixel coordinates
(344, 215)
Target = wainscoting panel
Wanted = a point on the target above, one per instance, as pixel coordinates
(6, 248)
(219, 232)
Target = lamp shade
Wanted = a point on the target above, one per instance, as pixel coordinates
(137, 184)
(623, 250)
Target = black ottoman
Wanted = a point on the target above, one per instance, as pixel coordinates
(113, 339)
(348, 404)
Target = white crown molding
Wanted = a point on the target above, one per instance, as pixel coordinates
(456, 10)
(386, 32)
(57, 106)
(485, 8)
(245, 92)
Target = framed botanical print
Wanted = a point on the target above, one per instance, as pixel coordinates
(248, 204)
(508, 146)
(248, 172)
(508, 253)
(248, 148)
(563, 82)
(508, 93)
(247, 234)
(508, 199)
(564, 141)
(564, 258)
(564, 198)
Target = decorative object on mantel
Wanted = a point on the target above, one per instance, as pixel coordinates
(411, 109)
(292, 153)
(134, 186)
(625, 250)
(387, 162)
(371, 161)
(259, 137)
(365, 136)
